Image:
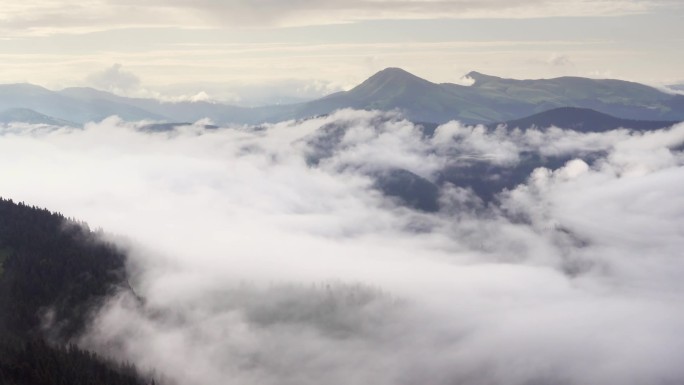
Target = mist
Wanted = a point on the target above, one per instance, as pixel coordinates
(277, 255)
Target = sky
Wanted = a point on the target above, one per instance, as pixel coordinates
(272, 51)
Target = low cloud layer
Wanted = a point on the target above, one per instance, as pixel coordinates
(277, 254)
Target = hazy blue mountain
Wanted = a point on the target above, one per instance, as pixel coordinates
(583, 120)
(394, 88)
(615, 97)
(217, 112)
(25, 115)
(188, 111)
(489, 99)
(676, 87)
(494, 99)
(64, 107)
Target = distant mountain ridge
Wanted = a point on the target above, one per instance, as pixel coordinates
(489, 99)
(582, 120)
(396, 89)
(59, 106)
(26, 115)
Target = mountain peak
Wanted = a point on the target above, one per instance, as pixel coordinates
(395, 75)
(391, 80)
(394, 71)
(479, 77)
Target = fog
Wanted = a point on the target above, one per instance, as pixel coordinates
(272, 254)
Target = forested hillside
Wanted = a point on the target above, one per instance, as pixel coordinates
(54, 273)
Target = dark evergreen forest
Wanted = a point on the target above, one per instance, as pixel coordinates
(54, 273)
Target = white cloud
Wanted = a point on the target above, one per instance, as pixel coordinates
(261, 268)
(558, 60)
(114, 79)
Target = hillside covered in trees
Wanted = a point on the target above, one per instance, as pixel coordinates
(54, 272)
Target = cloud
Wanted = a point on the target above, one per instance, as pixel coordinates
(268, 254)
(121, 82)
(114, 79)
(675, 88)
(557, 60)
(39, 17)
(465, 81)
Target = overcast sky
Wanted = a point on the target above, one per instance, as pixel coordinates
(239, 51)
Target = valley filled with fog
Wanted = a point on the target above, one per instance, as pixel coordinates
(360, 247)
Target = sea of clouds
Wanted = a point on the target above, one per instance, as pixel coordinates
(268, 255)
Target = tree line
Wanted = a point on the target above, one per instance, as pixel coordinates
(54, 274)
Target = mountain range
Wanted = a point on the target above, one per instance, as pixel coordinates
(582, 120)
(489, 99)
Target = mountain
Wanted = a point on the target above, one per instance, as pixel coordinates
(185, 111)
(396, 89)
(517, 98)
(54, 273)
(49, 263)
(489, 99)
(25, 115)
(583, 120)
(495, 99)
(63, 107)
